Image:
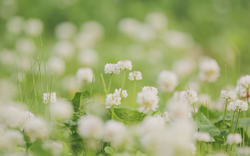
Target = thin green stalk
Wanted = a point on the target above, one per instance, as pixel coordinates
(232, 122)
(225, 110)
(134, 94)
(112, 111)
(123, 81)
(237, 122)
(110, 80)
(34, 84)
(104, 85)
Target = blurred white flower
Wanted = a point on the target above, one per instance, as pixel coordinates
(56, 65)
(84, 75)
(129, 26)
(65, 49)
(150, 89)
(204, 99)
(157, 20)
(192, 150)
(202, 137)
(225, 94)
(70, 84)
(112, 100)
(135, 75)
(12, 116)
(112, 68)
(147, 101)
(7, 89)
(14, 24)
(189, 96)
(234, 138)
(33, 27)
(88, 57)
(124, 93)
(65, 30)
(62, 110)
(26, 46)
(245, 151)
(36, 128)
(7, 57)
(10, 139)
(165, 116)
(57, 148)
(178, 110)
(94, 28)
(49, 97)
(90, 127)
(27, 115)
(184, 67)
(125, 65)
(243, 86)
(209, 70)
(194, 85)
(145, 33)
(167, 81)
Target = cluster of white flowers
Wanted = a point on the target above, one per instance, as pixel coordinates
(84, 75)
(165, 116)
(49, 97)
(148, 101)
(234, 138)
(150, 89)
(122, 93)
(209, 70)
(113, 100)
(243, 150)
(135, 75)
(243, 86)
(112, 68)
(125, 65)
(189, 96)
(202, 137)
(238, 105)
(231, 95)
(167, 81)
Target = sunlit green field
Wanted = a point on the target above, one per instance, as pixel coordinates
(182, 66)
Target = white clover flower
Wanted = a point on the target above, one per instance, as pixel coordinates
(148, 101)
(243, 86)
(27, 115)
(62, 110)
(94, 29)
(112, 68)
(228, 95)
(165, 116)
(202, 137)
(90, 127)
(209, 70)
(88, 57)
(145, 33)
(150, 89)
(33, 27)
(57, 148)
(234, 138)
(36, 128)
(184, 67)
(231, 106)
(84, 74)
(129, 26)
(26, 46)
(65, 30)
(189, 96)
(238, 105)
(124, 93)
(65, 49)
(12, 116)
(157, 20)
(135, 75)
(245, 151)
(113, 99)
(167, 81)
(178, 110)
(49, 97)
(125, 65)
(56, 65)
(178, 40)
(10, 139)
(14, 24)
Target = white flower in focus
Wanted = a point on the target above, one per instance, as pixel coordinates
(65, 30)
(234, 138)
(165, 116)
(56, 65)
(84, 74)
(202, 137)
(88, 57)
(62, 110)
(33, 27)
(231, 106)
(125, 65)
(148, 101)
(228, 95)
(245, 151)
(209, 70)
(189, 96)
(26, 46)
(167, 81)
(113, 99)
(36, 128)
(238, 105)
(135, 75)
(112, 68)
(90, 127)
(49, 97)
(150, 89)
(124, 93)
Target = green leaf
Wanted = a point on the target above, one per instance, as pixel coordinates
(228, 119)
(109, 150)
(39, 150)
(115, 117)
(205, 126)
(128, 115)
(138, 153)
(243, 122)
(207, 112)
(221, 139)
(76, 144)
(80, 97)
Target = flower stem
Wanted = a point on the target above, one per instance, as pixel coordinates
(123, 81)
(112, 111)
(237, 122)
(225, 110)
(232, 122)
(110, 80)
(134, 94)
